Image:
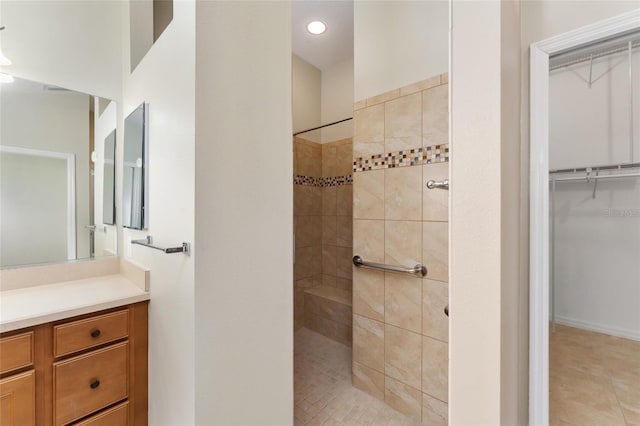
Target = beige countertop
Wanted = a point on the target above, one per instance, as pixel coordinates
(26, 307)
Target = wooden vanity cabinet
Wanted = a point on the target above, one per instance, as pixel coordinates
(85, 370)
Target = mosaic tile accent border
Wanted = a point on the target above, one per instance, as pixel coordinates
(404, 158)
(323, 181)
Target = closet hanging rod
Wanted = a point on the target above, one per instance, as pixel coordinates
(596, 168)
(323, 126)
(584, 178)
(588, 57)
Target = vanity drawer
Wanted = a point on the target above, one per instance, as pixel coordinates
(116, 416)
(16, 352)
(87, 383)
(87, 333)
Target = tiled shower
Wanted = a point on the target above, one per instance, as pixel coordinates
(400, 330)
(323, 236)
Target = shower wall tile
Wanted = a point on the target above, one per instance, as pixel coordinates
(402, 193)
(435, 370)
(329, 160)
(383, 97)
(368, 293)
(308, 230)
(435, 202)
(403, 301)
(329, 280)
(329, 201)
(368, 137)
(369, 380)
(307, 264)
(403, 355)
(344, 160)
(307, 200)
(402, 245)
(329, 260)
(435, 250)
(435, 116)
(370, 242)
(344, 262)
(403, 123)
(435, 296)
(344, 203)
(403, 398)
(398, 221)
(344, 284)
(420, 86)
(344, 231)
(368, 342)
(434, 411)
(329, 230)
(369, 195)
(308, 156)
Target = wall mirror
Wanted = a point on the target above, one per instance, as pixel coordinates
(134, 179)
(52, 170)
(109, 180)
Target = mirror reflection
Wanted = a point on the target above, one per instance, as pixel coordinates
(134, 179)
(53, 163)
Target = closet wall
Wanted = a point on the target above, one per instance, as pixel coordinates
(597, 239)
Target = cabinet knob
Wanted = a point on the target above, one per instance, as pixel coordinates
(95, 333)
(94, 384)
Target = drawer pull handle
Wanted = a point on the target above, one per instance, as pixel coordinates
(95, 333)
(94, 384)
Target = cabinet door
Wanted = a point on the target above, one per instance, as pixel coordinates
(17, 400)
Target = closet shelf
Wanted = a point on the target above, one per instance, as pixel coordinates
(612, 171)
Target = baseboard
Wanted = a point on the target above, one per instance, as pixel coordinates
(599, 328)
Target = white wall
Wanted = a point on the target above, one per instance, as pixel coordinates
(72, 44)
(165, 79)
(51, 121)
(306, 90)
(597, 242)
(244, 214)
(397, 43)
(337, 100)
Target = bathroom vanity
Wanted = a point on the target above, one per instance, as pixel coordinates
(75, 352)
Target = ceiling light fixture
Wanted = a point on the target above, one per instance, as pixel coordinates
(4, 61)
(316, 27)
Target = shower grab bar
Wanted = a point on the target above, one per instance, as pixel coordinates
(148, 242)
(435, 184)
(416, 270)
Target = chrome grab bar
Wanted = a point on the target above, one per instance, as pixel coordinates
(148, 242)
(438, 184)
(416, 270)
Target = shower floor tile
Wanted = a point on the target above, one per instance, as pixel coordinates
(323, 391)
(594, 379)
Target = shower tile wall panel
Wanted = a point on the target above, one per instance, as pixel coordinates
(323, 198)
(400, 331)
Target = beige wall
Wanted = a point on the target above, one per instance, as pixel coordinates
(486, 352)
(337, 100)
(400, 332)
(72, 44)
(397, 43)
(306, 89)
(170, 93)
(243, 214)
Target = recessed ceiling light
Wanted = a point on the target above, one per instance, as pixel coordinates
(316, 27)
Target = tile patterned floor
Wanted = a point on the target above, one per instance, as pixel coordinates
(594, 379)
(323, 391)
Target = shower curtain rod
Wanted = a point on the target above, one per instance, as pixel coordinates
(324, 125)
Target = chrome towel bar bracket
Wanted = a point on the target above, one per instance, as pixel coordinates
(419, 269)
(148, 242)
(438, 184)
